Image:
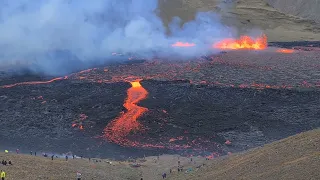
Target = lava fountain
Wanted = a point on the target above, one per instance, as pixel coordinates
(117, 130)
(244, 42)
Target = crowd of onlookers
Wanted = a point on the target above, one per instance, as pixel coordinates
(78, 174)
(9, 162)
(6, 162)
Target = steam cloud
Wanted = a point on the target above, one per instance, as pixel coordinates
(60, 34)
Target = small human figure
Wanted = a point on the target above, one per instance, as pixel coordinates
(170, 170)
(178, 163)
(78, 176)
(52, 157)
(66, 158)
(5, 163)
(2, 162)
(73, 156)
(10, 163)
(31, 153)
(164, 175)
(17, 151)
(35, 153)
(3, 175)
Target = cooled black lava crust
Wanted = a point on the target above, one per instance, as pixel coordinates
(40, 117)
(247, 117)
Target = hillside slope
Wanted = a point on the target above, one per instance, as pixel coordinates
(246, 16)
(296, 157)
(309, 9)
(31, 167)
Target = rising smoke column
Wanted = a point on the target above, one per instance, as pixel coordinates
(58, 34)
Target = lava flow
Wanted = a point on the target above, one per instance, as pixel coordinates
(285, 51)
(244, 42)
(118, 129)
(34, 82)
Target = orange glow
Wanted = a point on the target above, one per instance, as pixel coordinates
(182, 44)
(135, 84)
(228, 142)
(286, 51)
(126, 123)
(244, 42)
(33, 82)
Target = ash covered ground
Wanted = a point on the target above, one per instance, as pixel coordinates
(248, 98)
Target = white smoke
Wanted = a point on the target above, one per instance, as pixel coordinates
(56, 33)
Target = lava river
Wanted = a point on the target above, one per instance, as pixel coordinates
(118, 130)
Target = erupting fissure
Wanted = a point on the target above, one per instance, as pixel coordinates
(244, 42)
(127, 123)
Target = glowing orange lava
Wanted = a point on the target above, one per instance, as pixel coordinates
(135, 84)
(118, 129)
(244, 42)
(34, 82)
(286, 51)
(183, 44)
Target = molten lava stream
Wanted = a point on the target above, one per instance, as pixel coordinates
(34, 82)
(285, 51)
(118, 130)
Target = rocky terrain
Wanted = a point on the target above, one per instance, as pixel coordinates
(248, 98)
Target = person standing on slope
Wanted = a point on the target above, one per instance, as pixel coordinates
(78, 176)
(2, 174)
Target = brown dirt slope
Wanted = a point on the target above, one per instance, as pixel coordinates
(296, 157)
(31, 167)
(245, 16)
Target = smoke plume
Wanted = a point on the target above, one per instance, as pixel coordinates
(58, 35)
